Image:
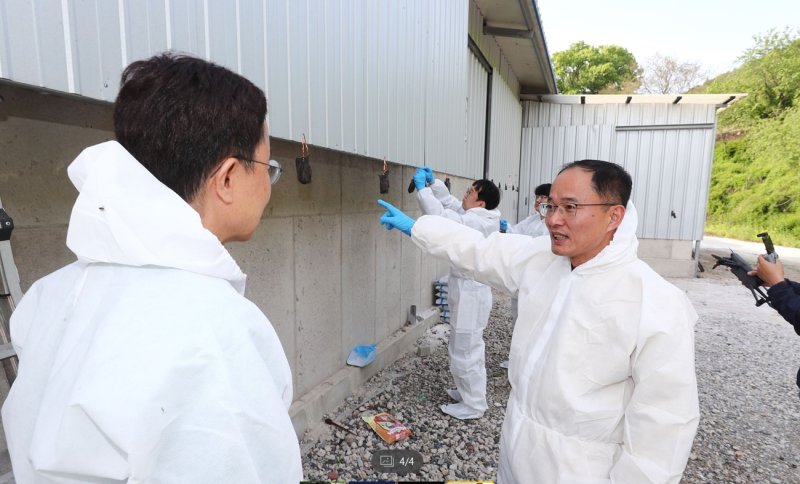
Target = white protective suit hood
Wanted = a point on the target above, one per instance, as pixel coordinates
(109, 225)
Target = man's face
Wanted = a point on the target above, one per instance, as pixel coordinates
(470, 199)
(257, 189)
(582, 235)
(538, 201)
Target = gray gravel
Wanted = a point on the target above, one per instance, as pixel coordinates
(749, 431)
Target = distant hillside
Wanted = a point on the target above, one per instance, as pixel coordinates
(755, 180)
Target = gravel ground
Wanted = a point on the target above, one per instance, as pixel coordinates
(749, 431)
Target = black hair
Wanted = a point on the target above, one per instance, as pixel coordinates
(180, 116)
(543, 189)
(609, 180)
(488, 193)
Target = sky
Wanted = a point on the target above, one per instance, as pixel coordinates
(712, 33)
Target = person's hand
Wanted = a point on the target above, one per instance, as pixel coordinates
(394, 218)
(428, 174)
(503, 225)
(770, 273)
(420, 177)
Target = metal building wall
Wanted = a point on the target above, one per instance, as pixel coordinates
(666, 148)
(504, 147)
(505, 119)
(379, 79)
(476, 118)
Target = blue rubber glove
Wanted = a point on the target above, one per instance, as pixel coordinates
(503, 225)
(420, 177)
(428, 175)
(394, 218)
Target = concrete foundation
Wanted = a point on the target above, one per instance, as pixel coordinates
(670, 258)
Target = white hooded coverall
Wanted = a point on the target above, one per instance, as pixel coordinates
(532, 226)
(602, 358)
(470, 302)
(142, 361)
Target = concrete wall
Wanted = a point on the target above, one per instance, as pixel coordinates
(670, 258)
(320, 266)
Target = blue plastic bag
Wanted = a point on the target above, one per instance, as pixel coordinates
(362, 356)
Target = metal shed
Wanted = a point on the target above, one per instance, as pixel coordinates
(666, 143)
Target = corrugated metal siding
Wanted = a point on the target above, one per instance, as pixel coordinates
(505, 119)
(381, 79)
(447, 84)
(504, 147)
(476, 118)
(670, 164)
(488, 46)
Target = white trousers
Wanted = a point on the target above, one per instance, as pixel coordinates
(470, 304)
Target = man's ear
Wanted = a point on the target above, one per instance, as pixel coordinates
(220, 185)
(617, 213)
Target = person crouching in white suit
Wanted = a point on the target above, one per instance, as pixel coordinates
(143, 361)
(470, 302)
(603, 384)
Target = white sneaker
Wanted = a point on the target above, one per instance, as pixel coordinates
(461, 411)
(505, 364)
(454, 394)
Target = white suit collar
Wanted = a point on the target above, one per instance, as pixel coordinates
(124, 215)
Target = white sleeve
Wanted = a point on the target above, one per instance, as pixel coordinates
(23, 317)
(498, 260)
(532, 226)
(444, 196)
(212, 408)
(241, 419)
(428, 203)
(662, 414)
(523, 226)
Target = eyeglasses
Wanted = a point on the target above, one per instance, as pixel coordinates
(273, 168)
(548, 209)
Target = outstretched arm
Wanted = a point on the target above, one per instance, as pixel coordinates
(498, 260)
(444, 196)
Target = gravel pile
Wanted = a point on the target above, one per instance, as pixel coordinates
(749, 432)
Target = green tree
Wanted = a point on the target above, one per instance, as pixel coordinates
(587, 69)
(755, 179)
(770, 74)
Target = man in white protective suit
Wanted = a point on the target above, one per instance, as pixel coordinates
(470, 302)
(143, 361)
(602, 356)
(533, 225)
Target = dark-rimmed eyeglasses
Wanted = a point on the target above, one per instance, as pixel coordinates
(548, 209)
(273, 168)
